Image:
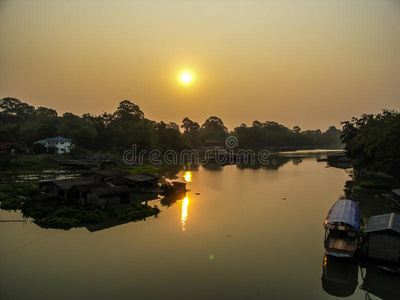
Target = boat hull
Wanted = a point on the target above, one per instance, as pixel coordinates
(340, 253)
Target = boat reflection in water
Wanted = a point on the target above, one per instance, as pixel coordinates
(381, 283)
(339, 277)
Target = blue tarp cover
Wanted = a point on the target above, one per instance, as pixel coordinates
(345, 211)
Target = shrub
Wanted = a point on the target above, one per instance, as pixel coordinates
(10, 203)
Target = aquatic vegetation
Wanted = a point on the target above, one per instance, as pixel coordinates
(374, 185)
(10, 203)
(140, 169)
(57, 222)
(25, 190)
(14, 196)
(133, 212)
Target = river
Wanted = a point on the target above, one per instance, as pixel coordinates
(241, 233)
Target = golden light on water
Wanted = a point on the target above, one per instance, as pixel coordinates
(188, 176)
(184, 214)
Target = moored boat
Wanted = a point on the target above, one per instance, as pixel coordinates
(342, 226)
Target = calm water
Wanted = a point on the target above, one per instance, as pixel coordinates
(250, 234)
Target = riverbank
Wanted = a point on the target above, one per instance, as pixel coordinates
(368, 190)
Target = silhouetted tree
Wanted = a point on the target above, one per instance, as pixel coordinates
(213, 128)
(296, 129)
(129, 111)
(374, 141)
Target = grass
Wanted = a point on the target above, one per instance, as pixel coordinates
(28, 162)
(139, 169)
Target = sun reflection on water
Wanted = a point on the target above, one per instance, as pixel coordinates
(185, 205)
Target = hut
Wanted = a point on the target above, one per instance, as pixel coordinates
(108, 197)
(104, 161)
(60, 187)
(384, 237)
(104, 175)
(78, 193)
(179, 187)
(10, 147)
(138, 182)
(43, 200)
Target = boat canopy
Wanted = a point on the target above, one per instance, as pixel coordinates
(344, 211)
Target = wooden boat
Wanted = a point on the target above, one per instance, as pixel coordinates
(342, 226)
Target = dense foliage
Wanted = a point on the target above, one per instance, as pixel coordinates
(117, 131)
(269, 135)
(374, 141)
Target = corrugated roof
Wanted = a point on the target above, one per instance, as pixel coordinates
(384, 222)
(41, 142)
(58, 139)
(344, 211)
(44, 196)
(112, 190)
(66, 184)
(139, 177)
(396, 191)
(10, 145)
(111, 173)
(82, 188)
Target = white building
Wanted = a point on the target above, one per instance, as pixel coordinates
(62, 145)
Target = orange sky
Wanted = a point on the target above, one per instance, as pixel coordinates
(297, 62)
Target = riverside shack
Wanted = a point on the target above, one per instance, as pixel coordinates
(384, 237)
(104, 175)
(179, 187)
(78, 193)
(43, 200)
(137, 182)
(108, 197)
(61, 187)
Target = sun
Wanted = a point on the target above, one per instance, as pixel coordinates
(186, 77)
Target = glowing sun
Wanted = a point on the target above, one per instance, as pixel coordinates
(186, 77)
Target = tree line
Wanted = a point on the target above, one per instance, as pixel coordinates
(374, 141)
(115, 132)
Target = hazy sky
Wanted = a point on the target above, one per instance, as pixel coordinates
(306, 63)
